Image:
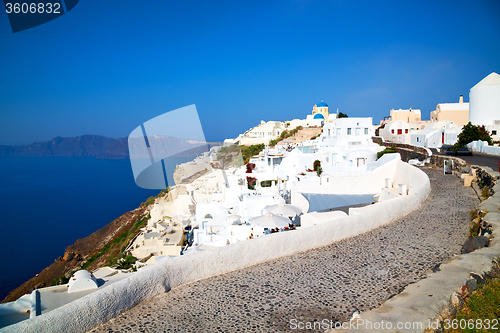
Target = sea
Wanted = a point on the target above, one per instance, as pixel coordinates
(47, 203)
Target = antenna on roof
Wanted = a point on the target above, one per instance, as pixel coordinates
(337, 110)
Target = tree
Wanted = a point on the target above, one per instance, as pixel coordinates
(472, 133)
(342, 115)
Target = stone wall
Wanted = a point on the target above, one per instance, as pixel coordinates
(409, 152)
(487, 177)
(438, 161)
(482, 263)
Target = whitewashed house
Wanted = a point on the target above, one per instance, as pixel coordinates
(398, 131)
(484, 102)
(436, 134)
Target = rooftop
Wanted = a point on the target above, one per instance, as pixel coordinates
(491, 80)
(453, 106)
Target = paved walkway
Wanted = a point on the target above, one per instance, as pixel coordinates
(326, 283)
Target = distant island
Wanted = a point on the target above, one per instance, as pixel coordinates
(84, 146)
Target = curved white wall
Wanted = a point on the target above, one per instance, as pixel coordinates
(484, 105)
(298, 199)
(99, 307)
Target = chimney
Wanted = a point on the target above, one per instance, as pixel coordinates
(461, 100)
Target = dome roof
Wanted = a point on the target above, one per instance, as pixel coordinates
(322, 105)
(82, 280)
(319, 116)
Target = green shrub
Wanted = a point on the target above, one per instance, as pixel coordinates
(484, 303)
(266, 183)
(317, 167)
(251, 181)
(273, 143)
(285, 134)
(249, 151)
(149, 201)
(474, 229)
(471, 133)
(164, 192)
(127, 262)
(390, 150)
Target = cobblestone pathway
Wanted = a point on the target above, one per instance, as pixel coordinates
(325, 283)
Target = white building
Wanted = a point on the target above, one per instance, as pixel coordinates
(347, 132)
(345, 146)
(396, 131)
(484, 103)
(436, 135)
(262, 133)
(218, 225)
(308, 122)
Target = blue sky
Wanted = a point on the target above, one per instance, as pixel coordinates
(107, 66)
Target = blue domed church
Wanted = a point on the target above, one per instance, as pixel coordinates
(320, 111)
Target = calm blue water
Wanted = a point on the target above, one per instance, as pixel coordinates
(47, 203)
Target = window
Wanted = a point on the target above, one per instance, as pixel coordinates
(392, 131)
(366, 130)
(493, 132)
(400, 131)
(406, 131)
(349, 131)
(418, 139)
